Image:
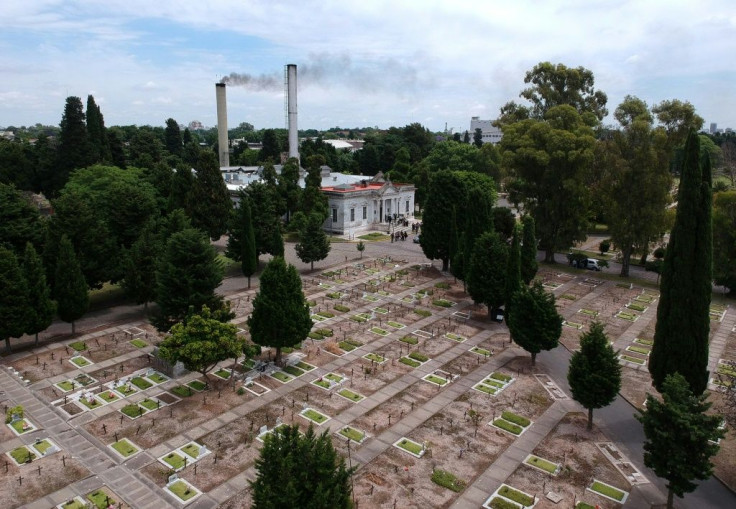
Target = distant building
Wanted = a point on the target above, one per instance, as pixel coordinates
(490, 133)
(713, 128)
(349, 145)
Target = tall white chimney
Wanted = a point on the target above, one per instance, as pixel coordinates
(222, 141)
(291, 108)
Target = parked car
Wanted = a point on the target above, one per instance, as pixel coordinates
(580, 261)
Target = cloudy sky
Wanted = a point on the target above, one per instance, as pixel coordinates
(361, 63)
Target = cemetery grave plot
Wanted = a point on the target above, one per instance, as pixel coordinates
(54, 476)
(104, 497)
(725, 460)
(573, 447)
(396, 407)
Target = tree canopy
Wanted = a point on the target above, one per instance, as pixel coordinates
(313, 243)
(40, 309)
(533, 320)
(13, 298)
(488, 270)
(70, 287)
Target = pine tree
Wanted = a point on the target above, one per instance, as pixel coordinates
(13, 298)
(487, 271)
(533, 320)
(277, 242)
(70, 287)
(96, 133)
(74, 148)
(683, 319)
(681, 437)
(139, 266)
(313, 243)
(249, 255)
(513, 266)
(594, 374)
(300, 470)
(280, 314)
(41, 308)
(529, 263)
(476, 224)
(186, 277)
(209, 200)
(172, 137)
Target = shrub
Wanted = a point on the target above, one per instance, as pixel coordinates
(448, 480)
(604, 246)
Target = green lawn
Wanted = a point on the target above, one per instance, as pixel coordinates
(353, 396)
(422, 312)
(727, 369)
(373, 236)
(80, 361)
(175, 460)
(411, 340)
(501, 376)
(314, 416)
(486, 389)
(100, 499)
(334, 377)
(508, 426)
(141, 383)
(304, 366)
(641, 341)
(639, 349)
(454, 337)
(382, 311)
(396, 325)
(516, 419)
(182, 490)
(608, 491)
(410, 446)
(567, 296)
(133, 410)
(627, 316)
(90, 403)
(126, 390)
(42, 446)
(542, 463)
(481, 351)
(157, 378)
(494, 383)
(223, 373)
(282, 377)
(409, 362)
(435, 379)
(149, 404)
(418, 357)
(197, 385)
(516, 495)
(500, 503)
(636, 307)
(191, 449)
(124, 447)
(138, 343)
(583, 505)
(348, 347)
(18, 426)
(21, 454)
(379, 331)
(73, 504)
(442, 303)
(294, 371)
(352, 433)
(78, 346)
(588, 312)
(448, 480)
(374, 357)
(322, 383)
(66, 385)
(635, 360)
(182, 391)
(442, 285)
(341, 308)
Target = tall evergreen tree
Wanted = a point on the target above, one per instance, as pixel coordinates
(172, 137)
(74, 149)
(266, 223)
(529, 263)
(487, 272)
(96, 133)
(271, 147)
(533, 320)
(313, 200)
(13, 298)
(683, 319)
(70, 287)
(139, 266)
(277, 242)
(513, 266)
(20, 222)
(476, 224)
(300, 470)
(478, 137)
(209, 200)
(117, 154)
(289, 189)
(243, 228)
(594, 373)
(182, 182)
(681, 437)
(186, 277)
(41, 308)
(280, 316)
(313, 243)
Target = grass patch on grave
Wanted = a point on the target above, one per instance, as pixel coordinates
(435, 380)
(589, 312)
(125, 448)
(542, 464)
(410, 340)
(90, 402)
(133, 411)
(157, 378)
(65, 385)
(410, 446)
(84, 380)
(636, 307)
(516, 419)
(574, 325)
(517, 496)
(353, 434)
(374, 357)
(607, 490)
(311, 303)
(335, 378)
(197, 385)
(379, 331)
(80, 361)
(182, 490)
(727, 369)
(322, 383)
(417, 356)
(443, 303)
(422, 312)
(383, 311)
(150, 404)
(501, 376)
(635, 360)
(632, 317)
(448, 480)
(500, 503)
(454, 337)
(349, 345)
(646, 299)
(481, 351)
(642, 341)
(583, 505)
(484, 388)
(304, 366)
(341, 308)
(282, 377)
(508, 426)
(22, 454)
(567, 296)
(371, 298)
(314, 416)
(494, 383)
(361, 317)
(442, 285)
(395, 325)
(101, 500)
(318, 318)
(42, 446)
(174, 460)
(326, 314)
(141, 383)
(293, 371)
(182, 391)
(191, 449)
(125, 390)
(334, 295)
(639, 349)
(19, 428)
(352, 396)
(138, 343)
(222, 373)
(410, 362)
(78, 346)
(383, 293)
(73, 504)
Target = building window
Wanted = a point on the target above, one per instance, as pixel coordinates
(352, 214)
(334, 215)
(407, 206)
(365, 212)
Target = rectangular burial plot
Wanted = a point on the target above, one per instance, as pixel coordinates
(197, 385)
(542, 464)
(378, 359)
(195, 451)
(175, 460)
(223, 373)
(512, 423)
(44, 447)
(101, 500)
(572, 325)
(381, 310)
(395, 325)
(409, 340)
(141, 383)
(354, 434)
(66, 385)
(21, 455)
(642, 350)
(627, 315)
(125, 448)
(183, 491)
(156, 377)
(90, 402)
(508, 494)
(314, 416)
(352, 396)
(407, 445)
(379, 331)
(20, 426)
(80, 361)
(455, 337)
(414, 359)
(133, 410)
(282, 377)
(75, 503)
(349, 344)
(633, 359)
(371, 298)
(124, 389)
(608, 491)
(481, 351)
(151, 404)
(138, 343)
(436, 380)
(255, 388)
(588, 312)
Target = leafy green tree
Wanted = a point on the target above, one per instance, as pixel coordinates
(201, 341)
(280, 316)
(724, 239)
(13, 298)
(504, 222)
(288, 182)
(17, 166)
(634, 181)
(513, 266)
(677, 118)
(681, 437)
(277, 242)
(182, 182)
(478, 137)
(266, 223)
(313, 200)
(313, 243)
(300, 470)
(271, 148)
(683, 319)
(117, 153)
(139, 266)
(529, 263)
(74, 148)
(594, 374)
(187, 275)
(552, 159)
(487, 271)
(70, 287)
(172, 137)
(41, 308)
(209, 202)
(20, 222)
(533, 320)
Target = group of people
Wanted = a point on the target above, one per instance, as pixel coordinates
(396, 236)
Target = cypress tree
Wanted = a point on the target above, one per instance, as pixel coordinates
(476, 223)
(13, 298)
(209, 200)
(683, 319)
(70, 287)
(139, 266)
(172, 137)
(533, 320)
(74, 149)
(40, 308)
(529, 263)
(487, 271)
(513, 266)
(277, 241)
(313, 242)
(96, 133)
(249, 255)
